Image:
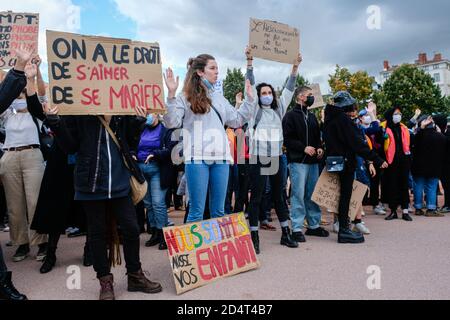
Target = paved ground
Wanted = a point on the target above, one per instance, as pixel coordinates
(414, 259)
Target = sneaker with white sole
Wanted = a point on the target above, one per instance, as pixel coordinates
(379, 210)
(361, 228)
(336, 227)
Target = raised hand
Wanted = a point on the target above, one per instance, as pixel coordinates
(171, 82)
(37, 60)
(299, 60)
(248, 53)
(31, 70)
(23, 54)
(49, 110)
(140, 111)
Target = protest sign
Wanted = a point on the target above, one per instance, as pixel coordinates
(209, 250)
(17, 29)
(317, 93)
(328, 192)
(274, 41)
(97, 75)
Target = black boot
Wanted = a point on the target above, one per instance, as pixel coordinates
(162, 243)
(255, 240)
(49, 261)
(286, 239)
(345, 235)
(7, 289)
(392, 216)
(154, 239)
(87, 258)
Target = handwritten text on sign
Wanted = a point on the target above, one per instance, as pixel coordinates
(202, 252)
(274, 41)
(97, 75)
(17, 29)
(328, 192)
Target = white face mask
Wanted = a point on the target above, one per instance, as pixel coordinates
(19, 104)
(367, 120)
(397, 118)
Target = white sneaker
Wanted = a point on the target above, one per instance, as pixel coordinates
(362, 228)
(336, 227)
(379, 210)
(363, 213)
(6, 229)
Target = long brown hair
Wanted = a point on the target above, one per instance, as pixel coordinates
(194, 89)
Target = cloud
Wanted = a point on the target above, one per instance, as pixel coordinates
(332, 32)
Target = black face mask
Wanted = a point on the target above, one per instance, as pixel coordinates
(310, 101)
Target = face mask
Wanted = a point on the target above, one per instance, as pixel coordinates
(397, 118)
(367, 120)
(207, 84)
(19, 104)
(150, 120)
(266, 100)
(310, 101)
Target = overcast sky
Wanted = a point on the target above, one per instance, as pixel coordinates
(332, 32)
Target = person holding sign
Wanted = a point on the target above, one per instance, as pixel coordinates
(102, 183)
(10, 88)
(266, 141)
(303, 142)
(343, 140)
(203, 113)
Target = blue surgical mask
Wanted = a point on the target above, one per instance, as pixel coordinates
(150, 120)
(19, 104)
(397, 118)
(208, 84)
(266, 100)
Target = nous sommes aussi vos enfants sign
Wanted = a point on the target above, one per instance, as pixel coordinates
(209, 250)
(99, 75)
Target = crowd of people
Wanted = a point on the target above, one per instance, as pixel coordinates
(209, 158)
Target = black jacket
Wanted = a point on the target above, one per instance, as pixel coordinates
(11, 87)
(99, 168)
(343, 138)
(428, 154)
(300, 130)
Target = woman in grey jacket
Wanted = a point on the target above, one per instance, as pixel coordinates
(203, 112)
(266, 141)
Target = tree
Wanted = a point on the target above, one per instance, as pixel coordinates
(233, 84)
(410, 88)
(358, 84)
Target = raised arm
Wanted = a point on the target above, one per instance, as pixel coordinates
(176, 106)
(288, 91)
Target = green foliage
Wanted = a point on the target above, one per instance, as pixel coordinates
(358, 84)
(410, 88)
(233, 84)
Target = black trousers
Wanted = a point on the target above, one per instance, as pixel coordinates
(395, 184)
(3, 267)
(346, 180)
(244, 186)
(123, 209)
(446, 185)
(374, 197)
(257, 185)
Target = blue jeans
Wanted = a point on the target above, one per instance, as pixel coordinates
(155, 200)
(202, 178)
(304, 178)
(429, 185)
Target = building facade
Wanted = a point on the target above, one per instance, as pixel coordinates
(438, 68)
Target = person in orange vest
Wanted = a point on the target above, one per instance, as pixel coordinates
(397, 153)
